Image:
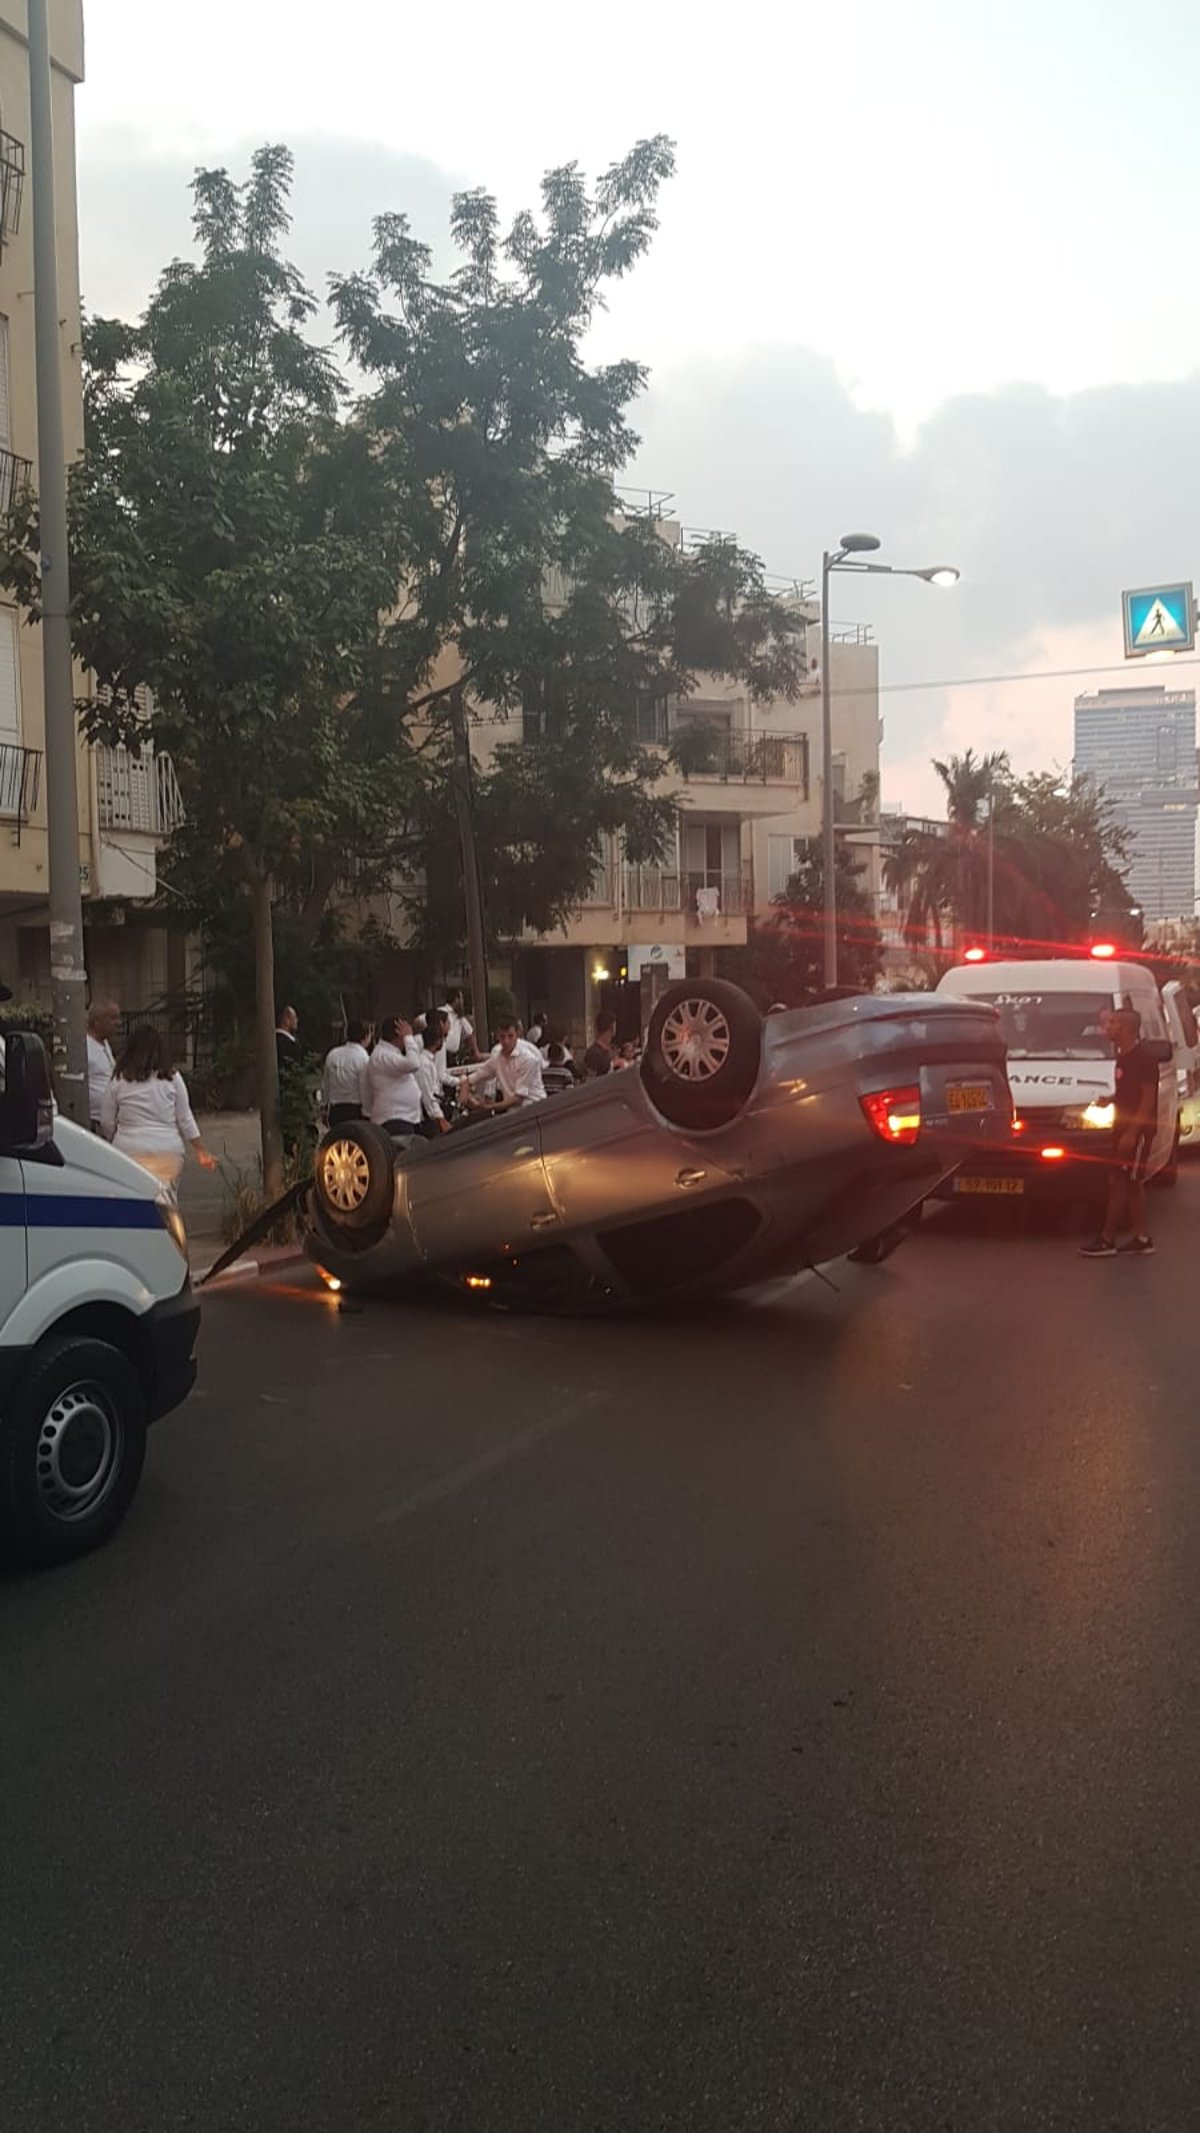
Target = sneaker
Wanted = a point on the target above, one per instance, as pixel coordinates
(1099, 1248)
(1137, 1248)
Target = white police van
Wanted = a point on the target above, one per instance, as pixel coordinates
(97, 1320)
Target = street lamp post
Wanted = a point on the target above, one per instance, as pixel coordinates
(847, 556)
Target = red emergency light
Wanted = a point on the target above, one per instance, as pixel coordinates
(979, 955)
(1104, 951)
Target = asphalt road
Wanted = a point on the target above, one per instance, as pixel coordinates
(786, 1717)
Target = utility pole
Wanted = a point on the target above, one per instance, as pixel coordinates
(828, 819)
(460, 780)
(68, 978)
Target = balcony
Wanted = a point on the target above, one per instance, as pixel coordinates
(15, 475)
(705, 895)
(12, 185)
(20, 783)
(740, 758)
(138, 794)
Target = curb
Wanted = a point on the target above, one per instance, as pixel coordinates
(242, 1270)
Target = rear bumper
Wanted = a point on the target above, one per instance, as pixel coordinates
(169, 1332)
(1084, 1166)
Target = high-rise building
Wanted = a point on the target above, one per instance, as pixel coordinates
(1140, 745)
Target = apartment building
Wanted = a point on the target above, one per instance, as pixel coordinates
(750, 792)
(128, 805)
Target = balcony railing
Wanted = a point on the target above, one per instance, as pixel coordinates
(12, 184)
(15, 475)
(747, 758)
(20, 783)
(703, 895)
(138, 793)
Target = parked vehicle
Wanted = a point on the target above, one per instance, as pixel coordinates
(1185, 1038)
(97, 1320)
(738, 1149)
(1061, 1072)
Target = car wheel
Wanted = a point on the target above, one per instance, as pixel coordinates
(702, 1052)
(354, 1176)
(72, 1445)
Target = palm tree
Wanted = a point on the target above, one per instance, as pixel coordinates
(945, 875)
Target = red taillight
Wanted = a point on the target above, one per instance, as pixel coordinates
(1018, 1125)
(1053, 1155)
(894, 1114)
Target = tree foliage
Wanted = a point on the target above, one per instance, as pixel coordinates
(524, 577)
(1053, 850)
(783, 960)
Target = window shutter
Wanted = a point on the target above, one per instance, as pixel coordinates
(10, 688)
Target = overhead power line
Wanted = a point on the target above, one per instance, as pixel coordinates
(992, 681)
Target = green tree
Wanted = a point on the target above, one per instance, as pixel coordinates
(1051, 850)
(523, 577)
(783, 959)
(233, 551)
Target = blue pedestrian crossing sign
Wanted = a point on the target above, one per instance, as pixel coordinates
(1159, 618)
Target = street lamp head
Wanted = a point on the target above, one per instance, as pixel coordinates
(939, 574)
(859, 544)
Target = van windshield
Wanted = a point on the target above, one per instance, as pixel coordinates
(1052, 1025)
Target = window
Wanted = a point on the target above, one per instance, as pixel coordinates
(10, 684)
(5, 415)
(781, 863)
(651, 717)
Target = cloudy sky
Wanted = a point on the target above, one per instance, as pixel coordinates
(927, 269)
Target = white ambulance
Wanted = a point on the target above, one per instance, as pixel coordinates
(97, 1321)
(1061, 1071)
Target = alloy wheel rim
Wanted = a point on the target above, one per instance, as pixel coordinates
(345, 1175)
(696, 1040)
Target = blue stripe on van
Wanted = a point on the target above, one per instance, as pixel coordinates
(75, 1210)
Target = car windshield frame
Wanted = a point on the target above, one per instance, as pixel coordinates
(1051, 1024)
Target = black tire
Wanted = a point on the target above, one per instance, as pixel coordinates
(354, 1177)
(702, 1052)
(72, 1446)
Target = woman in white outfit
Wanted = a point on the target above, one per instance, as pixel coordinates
(145, 1110)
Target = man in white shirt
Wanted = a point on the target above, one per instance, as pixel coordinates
(103, 1022)
(393, 1082)
(460, 1031)
(433, 1073)
(514, 1070)
(344, 1081)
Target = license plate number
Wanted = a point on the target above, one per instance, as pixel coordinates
(1005, 1186)
(969, 1096)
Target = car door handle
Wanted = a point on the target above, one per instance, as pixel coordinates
(526, 1148)
(543, 1221)
(690, 1177)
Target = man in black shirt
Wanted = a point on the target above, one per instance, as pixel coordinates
(598, 1057)
(1135, 1101)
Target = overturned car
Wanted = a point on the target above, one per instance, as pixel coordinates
(739, 1150)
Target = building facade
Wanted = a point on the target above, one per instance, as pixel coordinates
(128, 804)
(1140, 745)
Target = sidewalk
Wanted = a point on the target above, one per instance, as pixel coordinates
(233, 1137)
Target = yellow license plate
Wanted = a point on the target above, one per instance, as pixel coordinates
(989, 1185)
(969, 1097)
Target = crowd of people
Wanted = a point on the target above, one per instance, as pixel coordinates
(427, 1075)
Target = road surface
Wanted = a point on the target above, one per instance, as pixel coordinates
(782, 1717)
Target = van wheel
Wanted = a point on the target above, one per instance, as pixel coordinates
(702, 1052)
(72, 1445)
